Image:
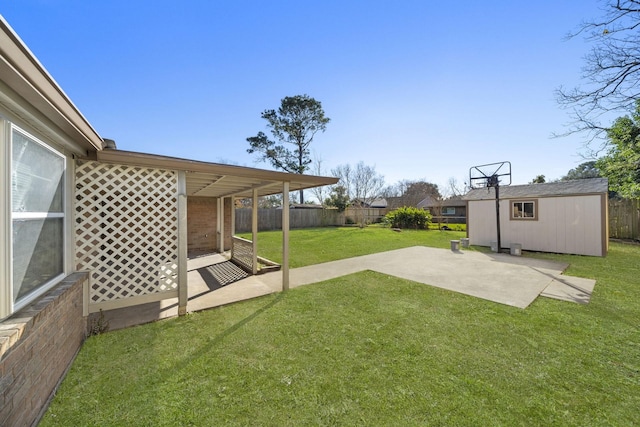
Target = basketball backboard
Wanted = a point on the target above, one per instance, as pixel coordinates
(490, 175)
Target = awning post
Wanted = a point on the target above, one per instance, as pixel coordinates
(285, 236)
(183, 292)
(254, 232)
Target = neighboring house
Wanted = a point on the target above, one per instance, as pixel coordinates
(562, 217)
(85, 227)
(374, 204)
(449, 211)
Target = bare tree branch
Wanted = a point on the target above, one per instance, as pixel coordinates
(611, 72)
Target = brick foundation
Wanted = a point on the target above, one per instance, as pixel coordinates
(37, 345)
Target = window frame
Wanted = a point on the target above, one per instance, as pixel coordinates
(512, 210)
(449, 211)
(15, 303)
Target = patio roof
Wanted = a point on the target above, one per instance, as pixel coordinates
(218, 180)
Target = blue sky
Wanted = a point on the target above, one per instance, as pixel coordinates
(418, 89)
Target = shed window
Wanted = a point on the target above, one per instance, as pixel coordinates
(449, 211)
(524, 209)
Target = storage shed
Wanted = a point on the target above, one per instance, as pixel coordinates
(562, 217)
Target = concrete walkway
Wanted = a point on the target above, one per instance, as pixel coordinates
(502, 278)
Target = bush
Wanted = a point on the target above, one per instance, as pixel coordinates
(408, 217)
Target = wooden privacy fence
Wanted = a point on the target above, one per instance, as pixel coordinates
(271, 219)
(624, 218)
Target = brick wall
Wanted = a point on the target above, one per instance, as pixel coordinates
(227, 223)
(201, 224)
(202, 217)
(37, 345)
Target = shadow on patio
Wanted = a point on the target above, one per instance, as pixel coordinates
(212, 280)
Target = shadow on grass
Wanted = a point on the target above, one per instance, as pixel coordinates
(217, 339)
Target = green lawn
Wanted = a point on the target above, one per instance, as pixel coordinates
(315, 245)
(373, 350)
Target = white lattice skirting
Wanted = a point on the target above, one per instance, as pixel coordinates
(126, 231)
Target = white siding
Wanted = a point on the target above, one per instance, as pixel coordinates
(565, 225)
(481, 222)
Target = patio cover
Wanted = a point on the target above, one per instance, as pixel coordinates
(218, 180)
(197, 178)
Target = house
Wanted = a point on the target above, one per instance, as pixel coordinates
(563, 217)
(379, 203)
(85, 226)
(450, 211)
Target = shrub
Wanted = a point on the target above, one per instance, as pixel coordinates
(408, 217)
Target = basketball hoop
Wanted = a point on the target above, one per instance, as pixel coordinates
(491, 175)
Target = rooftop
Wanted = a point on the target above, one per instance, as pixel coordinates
(550, 189)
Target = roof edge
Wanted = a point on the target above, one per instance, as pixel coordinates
(25, 75)
(176, 163)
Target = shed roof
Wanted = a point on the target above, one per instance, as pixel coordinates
(550, 189)
(430, 202)
(218, 180)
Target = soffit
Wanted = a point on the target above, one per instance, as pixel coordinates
(218, 180)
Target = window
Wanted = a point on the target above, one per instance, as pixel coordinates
(449, 211)
(524, 209)
(37, 216)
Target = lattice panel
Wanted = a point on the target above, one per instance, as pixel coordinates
(243, 253)
(126, 229)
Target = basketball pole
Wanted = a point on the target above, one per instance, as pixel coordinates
(479, 173)
(498, 215)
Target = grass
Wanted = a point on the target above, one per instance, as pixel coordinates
(369, 349)
(316, 245)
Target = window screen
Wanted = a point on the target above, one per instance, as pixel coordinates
(37, 213)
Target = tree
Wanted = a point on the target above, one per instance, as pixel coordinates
(540, 179)
(418, 191)
(611, 70)
(410, 193)
(362, 185)
(296, 122)
(266, 202)
(321, 193)
(583, 171)
(454, 189)
(338, 198)
(367, 186)
(345, 176)
(621, 164)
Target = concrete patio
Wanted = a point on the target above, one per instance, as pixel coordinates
(515, 281)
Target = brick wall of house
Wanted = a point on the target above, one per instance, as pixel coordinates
(201, 224)
(227, 223)
(37, 345)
